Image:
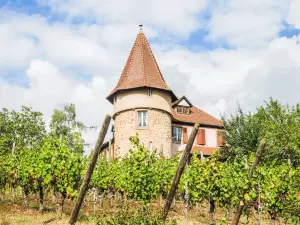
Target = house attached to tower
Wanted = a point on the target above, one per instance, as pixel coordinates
(145, 104)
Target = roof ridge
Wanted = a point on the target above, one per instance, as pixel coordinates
(142, 55)
(156, 65)
(130, 57)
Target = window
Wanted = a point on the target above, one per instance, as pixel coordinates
(186, 110)
(115, 99)
(149, 93)
(142, 119)
(177, 133)
(179, 109)
(183, 109)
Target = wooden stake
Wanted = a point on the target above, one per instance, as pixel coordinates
(257, 159)
(179, 172)
(89, 172)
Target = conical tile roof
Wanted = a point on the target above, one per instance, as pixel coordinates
(141, 69)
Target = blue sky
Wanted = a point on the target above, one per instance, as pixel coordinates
(217, 53)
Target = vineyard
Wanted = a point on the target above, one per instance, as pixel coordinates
(39, 162)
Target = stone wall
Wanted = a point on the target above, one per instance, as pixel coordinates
(158, 131)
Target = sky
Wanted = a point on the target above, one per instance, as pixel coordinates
(218, 53)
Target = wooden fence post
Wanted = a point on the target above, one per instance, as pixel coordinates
(179, 172)
(89, 172)
(257, 159)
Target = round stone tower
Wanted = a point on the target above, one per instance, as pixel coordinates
(142, 102)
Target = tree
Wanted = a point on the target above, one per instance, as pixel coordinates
(280, 124)
(64, 124)
(280, 191)
(21, 134)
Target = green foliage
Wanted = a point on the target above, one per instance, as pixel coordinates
(34, 160)
(215, 181)
(65, 125)
(141, 169)
(104, 175)
(21, 134)
(126, 215)
(280, 124)
(242, 135)
(279, 193)
(141, 175)
(65, 167)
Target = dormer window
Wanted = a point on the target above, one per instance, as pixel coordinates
(186, 110)
(180, 109)
(183, 110)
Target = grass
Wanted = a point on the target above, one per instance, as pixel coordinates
(16, 213)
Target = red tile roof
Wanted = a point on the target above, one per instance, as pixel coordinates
(196, 116)
(141, 69)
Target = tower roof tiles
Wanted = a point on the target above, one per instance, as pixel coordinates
(141, 69)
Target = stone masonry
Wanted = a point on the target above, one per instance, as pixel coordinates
(158, 131)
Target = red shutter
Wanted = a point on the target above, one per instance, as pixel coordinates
(220, 139)
(185, 135)
(201, 140)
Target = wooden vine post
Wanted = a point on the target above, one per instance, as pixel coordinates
(257, 159)
(89, 172)
(180, 168)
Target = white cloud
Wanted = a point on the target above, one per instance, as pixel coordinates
(244, 23)
(91, 49)
(219, 79)
(211, 73)
(293, 16)
(218, 108)
(16, 47)
(176, 16)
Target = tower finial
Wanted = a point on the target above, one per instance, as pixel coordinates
(141, 27)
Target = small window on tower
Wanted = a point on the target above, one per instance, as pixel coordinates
(115, 99)
(149, 93)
